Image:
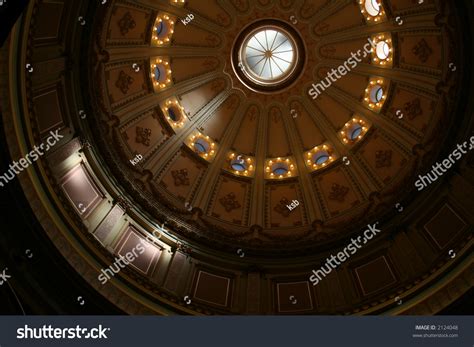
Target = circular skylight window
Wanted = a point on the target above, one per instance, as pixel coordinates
(268, 55)
(159, 73)
(174, 114)
(383, 50)
(161, 30)
(238, 165)
(372, 7)
(376, 93)
(354, 131)
(201, 146)
(320, 157)
(280, 169)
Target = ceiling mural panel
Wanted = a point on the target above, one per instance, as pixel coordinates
(422, 51)
(311, 7)
(198, 37)
(416, 109)
(181, 176)
(217, 124)
(186, 68)
(383, 157)
(128, 24)
(144, 134)
(307, 126)
(333, 111)
(369, 283)
(193, 101)
(211, 10)
(277, 139)
(230, 201)
(48, 23)
(338, 191)
(353, 84)
(124, 84)
(346, 17)
(50, 108)
(246, 138)
(285, 207)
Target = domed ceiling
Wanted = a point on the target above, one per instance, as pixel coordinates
(244, 143)
(226, 153)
